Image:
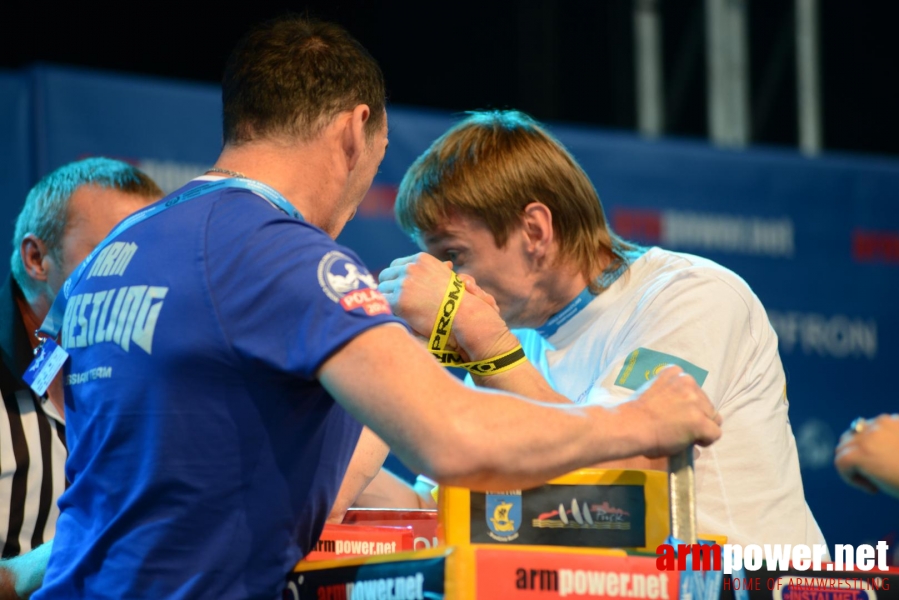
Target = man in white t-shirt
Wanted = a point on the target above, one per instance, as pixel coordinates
(506, 204)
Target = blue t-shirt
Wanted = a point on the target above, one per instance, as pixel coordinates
(204, 456)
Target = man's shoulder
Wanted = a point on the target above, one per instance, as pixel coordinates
(667, 268)
(232, 208)
(662, 259)
(672, 282)
(237, 211)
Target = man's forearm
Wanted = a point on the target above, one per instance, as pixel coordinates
(365, 465)
(461, 436)
(524, 380)
(389, 491)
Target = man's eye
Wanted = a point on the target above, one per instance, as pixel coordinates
(452, 256)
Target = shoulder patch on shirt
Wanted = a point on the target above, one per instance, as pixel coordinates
(350, 284)
(643, 364)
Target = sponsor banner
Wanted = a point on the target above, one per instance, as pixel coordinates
(511, 574)
(830, 336)
(423, 522)
(870, 246)
(339, 541)
(707, 232)
(607, 516)
(388, 580)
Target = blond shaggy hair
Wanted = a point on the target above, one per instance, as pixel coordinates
(490, 166)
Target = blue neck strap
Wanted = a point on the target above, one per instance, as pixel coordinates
(53, 322)
(566, 314)
(580, 301)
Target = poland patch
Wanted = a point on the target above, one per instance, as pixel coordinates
(349, 284)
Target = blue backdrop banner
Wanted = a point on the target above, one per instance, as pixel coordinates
(16, 152)
(171, 130)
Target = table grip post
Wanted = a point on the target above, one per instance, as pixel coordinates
(682, 496)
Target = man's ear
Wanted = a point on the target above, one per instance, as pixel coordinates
(34, 253)
(537, 222)
(354, 139)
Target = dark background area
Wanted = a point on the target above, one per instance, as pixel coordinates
(562, 60)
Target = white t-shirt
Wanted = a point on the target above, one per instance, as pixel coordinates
(671, 308)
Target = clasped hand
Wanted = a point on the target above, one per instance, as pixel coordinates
(415, 287)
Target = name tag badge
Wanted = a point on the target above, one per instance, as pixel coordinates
(48, 360)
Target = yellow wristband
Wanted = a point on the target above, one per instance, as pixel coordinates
(497, 364)
(443, 325)
(447, 314)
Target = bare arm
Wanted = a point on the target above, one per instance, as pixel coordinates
(23, 575)
(869, 458)
(466, 437)
(364, 466)
(387, 490)
(415, 285)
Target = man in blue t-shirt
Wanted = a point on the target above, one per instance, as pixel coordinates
(225, 352)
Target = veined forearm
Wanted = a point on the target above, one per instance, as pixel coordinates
(524, 380)
(522, 443)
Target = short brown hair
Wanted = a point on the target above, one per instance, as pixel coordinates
(291, 76)
(491, 166)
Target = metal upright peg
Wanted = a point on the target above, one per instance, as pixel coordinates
(682, 496)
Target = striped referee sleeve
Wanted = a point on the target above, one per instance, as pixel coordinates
(32, 459)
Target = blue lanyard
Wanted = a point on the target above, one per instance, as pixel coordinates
(53, 322)
(566, 314)
(580, 301)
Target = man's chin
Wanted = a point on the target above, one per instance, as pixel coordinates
(515, 320)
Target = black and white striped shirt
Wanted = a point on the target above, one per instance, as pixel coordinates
(32, 442)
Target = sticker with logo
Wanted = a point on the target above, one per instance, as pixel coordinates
(643, 364)
(594, 516)
(583, 515)
(503, 515)
(346, 282)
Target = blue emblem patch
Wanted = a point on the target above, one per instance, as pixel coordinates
(503, 515)
(643, 364)
(338, 275)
